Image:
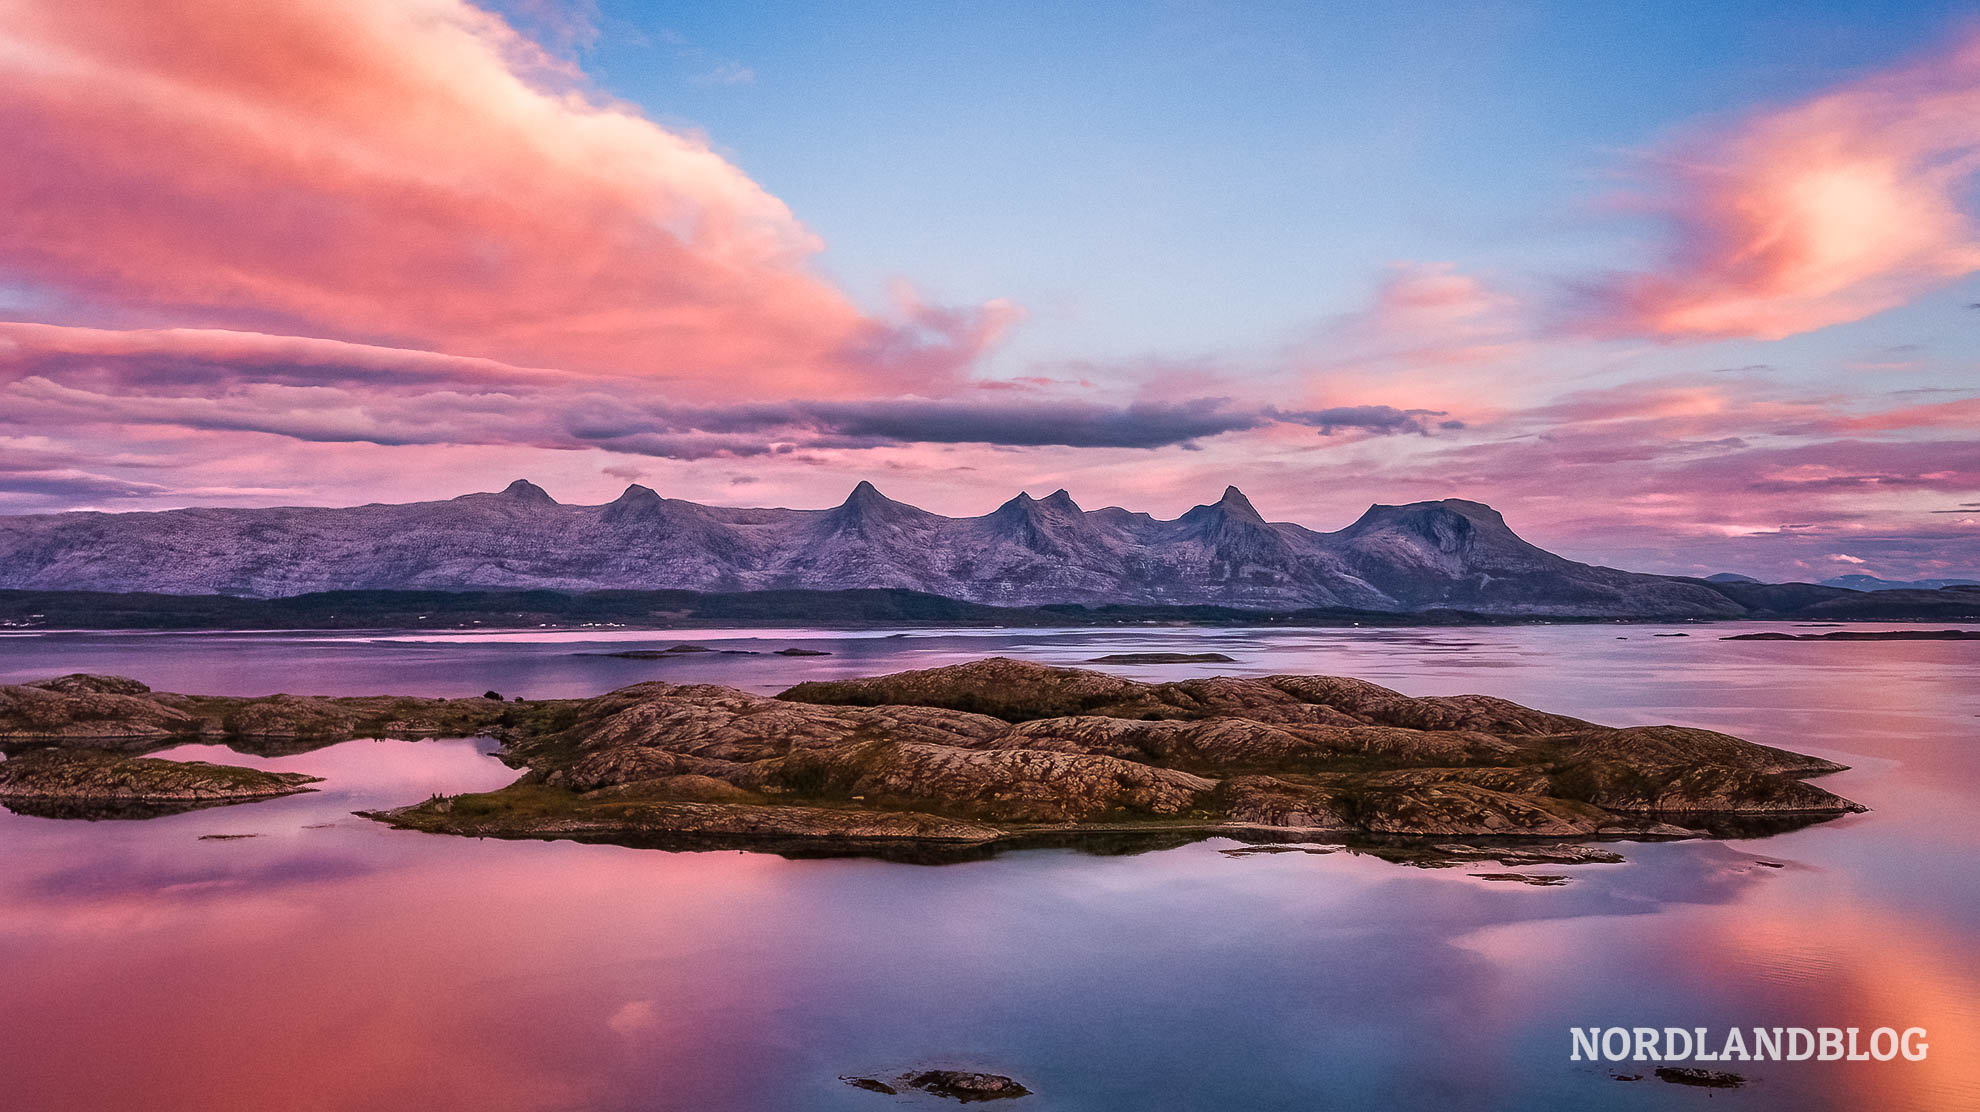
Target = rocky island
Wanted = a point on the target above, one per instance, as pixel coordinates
(1004, 752)
(966, 1086)
(112, 712)
(72, 743)
(1864, 635)
(1001, 751)
(91, 783)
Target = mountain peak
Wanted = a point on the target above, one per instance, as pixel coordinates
(1477, 513)
(1058, 507)
(1060, 500)
(522, 490)
(1234, 502)
(637, 502)
(866, 503)
(1448, 525)
(1047, 526)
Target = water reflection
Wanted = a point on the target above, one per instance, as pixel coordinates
(331, 963)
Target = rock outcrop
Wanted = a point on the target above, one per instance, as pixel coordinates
(965, 1086)
(95, 783)
(118, 713)
(995, 752)
(1864, 635)
(1001, 750)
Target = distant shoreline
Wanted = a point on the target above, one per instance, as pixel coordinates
(501, 610)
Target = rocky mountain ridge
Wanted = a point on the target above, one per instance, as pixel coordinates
(1451, 554)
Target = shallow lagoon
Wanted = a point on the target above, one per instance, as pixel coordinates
(330, 963)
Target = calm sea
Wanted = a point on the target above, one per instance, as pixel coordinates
(330, 963)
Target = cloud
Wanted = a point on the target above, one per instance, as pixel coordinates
(633, 1017)
(1423, 315)
(562, 27)
(1430, 335)
(1383, 420)
(1141, 425)
(209, 356)
(725, 73)
(1649, 496)
(415, 174)
(1816, 213)
(73, 485)
(327, 391)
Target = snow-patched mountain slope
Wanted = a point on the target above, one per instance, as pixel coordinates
(1452, 554)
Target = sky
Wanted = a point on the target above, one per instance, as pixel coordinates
(1679, 287)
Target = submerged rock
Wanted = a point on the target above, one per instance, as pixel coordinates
(1709, 1079)
(1537, 880)
(966, 1086)
(1266, 850)
(1445, 855)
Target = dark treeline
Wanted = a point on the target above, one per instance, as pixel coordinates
(513, 609)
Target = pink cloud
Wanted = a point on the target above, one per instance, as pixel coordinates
(1961, 413)
(414, 173)
(1425, 314)
(1431, 312)
(1817, 213)
(1430, 337)
(210, 355)
(61, 378)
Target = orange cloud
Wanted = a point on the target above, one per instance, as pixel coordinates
(1431, 337)
(413, 173)
(1432, 314)
(200, 354)
(1819, 213)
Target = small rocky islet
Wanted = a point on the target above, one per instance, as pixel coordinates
(698, 650)
(1863, 635)
(999, 752)
(1163, 658)
(965, 1086)
(93, 783)
(1699, 1078)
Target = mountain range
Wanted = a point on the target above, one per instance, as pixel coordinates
(1443, 555)
(1873, 583)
